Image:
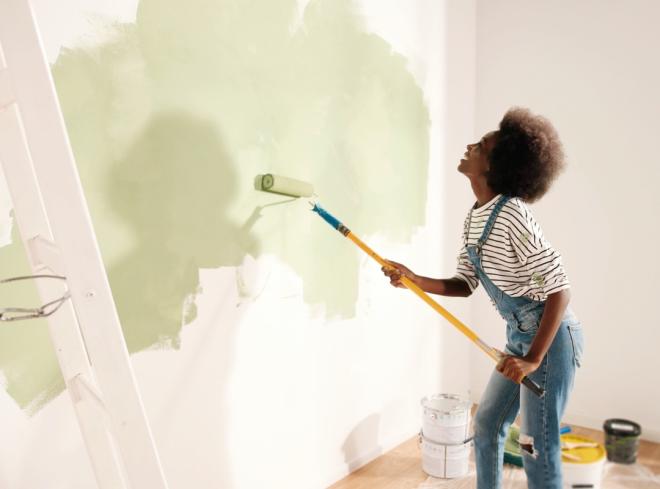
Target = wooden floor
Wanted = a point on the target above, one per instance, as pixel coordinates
(401, 468)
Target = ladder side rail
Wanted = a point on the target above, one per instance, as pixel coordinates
(70, 222)
(69, 347)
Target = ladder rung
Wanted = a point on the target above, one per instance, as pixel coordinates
(83, 390)
(46, 254)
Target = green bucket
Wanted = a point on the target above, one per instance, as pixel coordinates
(622, 440)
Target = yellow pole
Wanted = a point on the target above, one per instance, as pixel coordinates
(490, 351)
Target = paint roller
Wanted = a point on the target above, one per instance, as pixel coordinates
(277, 184)
(297, 188)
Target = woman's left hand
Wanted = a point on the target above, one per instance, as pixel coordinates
(516, 368)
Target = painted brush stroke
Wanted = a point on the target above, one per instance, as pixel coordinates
(173, 117)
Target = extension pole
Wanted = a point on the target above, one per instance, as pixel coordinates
(490, 351)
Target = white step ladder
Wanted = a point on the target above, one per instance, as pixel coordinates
(55, 227)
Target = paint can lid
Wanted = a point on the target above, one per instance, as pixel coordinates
(581, 450)
(446, 403)
(622, 427)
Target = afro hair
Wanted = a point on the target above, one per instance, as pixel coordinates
(527, 156)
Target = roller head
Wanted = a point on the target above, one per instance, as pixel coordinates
(277, 184)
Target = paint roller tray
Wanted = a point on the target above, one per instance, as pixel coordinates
(512, 454)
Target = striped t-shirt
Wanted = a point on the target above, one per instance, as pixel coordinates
(516, 256)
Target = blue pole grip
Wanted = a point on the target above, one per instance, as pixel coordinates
(327, 217)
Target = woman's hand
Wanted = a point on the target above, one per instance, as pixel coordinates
(516, 368)
(396, 271)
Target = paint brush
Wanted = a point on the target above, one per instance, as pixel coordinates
(490, 351)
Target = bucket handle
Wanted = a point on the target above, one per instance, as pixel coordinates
(420, 438)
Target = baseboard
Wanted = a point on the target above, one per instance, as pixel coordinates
(648, 434)
(363, 459)
(597, 424)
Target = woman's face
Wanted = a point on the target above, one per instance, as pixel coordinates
(476, 162)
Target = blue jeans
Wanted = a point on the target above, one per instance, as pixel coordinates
(503, 398)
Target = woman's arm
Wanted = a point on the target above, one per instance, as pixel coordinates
(454, 287)
(518, 367)
(555, 306)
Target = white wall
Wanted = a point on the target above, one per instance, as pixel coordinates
(338, 393)
(592, 67)
(332, 394)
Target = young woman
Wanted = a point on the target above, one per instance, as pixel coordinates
(505, 250)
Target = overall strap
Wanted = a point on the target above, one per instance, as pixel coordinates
(491, 221)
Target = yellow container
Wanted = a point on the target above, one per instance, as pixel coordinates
(582, 465)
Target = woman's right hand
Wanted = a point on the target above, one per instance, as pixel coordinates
(395, 271)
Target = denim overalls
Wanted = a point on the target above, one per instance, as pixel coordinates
(503, 398)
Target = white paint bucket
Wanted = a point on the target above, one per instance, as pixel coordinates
(446, 418)
(443, 460)
(582, 466)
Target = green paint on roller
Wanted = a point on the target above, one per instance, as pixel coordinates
(283, 185)
(172, 116)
